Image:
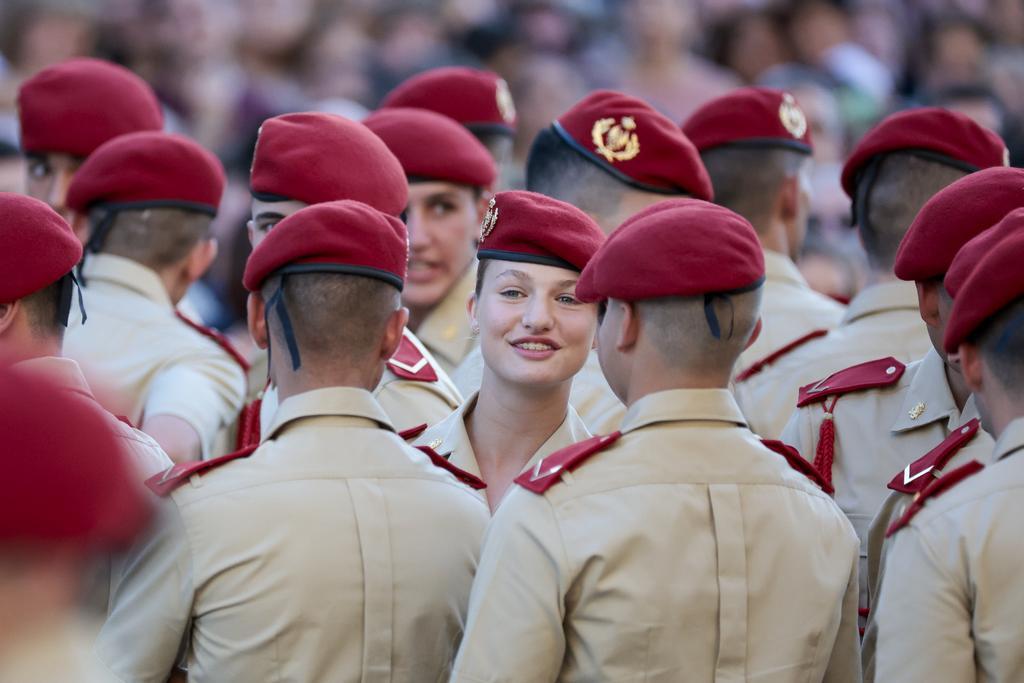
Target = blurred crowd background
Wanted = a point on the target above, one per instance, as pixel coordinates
(221, 67)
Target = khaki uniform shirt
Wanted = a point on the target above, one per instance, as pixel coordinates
(335, 552)
(145, 453)
(790, 310)
(883, 320)
(952, 610)
(408, 403)
(594, 401)
(151, 363)
(878, 432)
(57, 652)
(686, 550)
(451, 441)
(446, 331)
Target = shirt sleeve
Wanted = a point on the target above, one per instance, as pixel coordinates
(924, 617)
(799, 432)
(410, 404)
(844, 664)
(151, 595)
(514, 630)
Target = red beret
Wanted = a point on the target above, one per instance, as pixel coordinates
(154, 169)
(69, 482)
(340, 237)
(433, 147)
(77, 105)
(633, 142)
(953, 216)
(534, 228)
(678, 247)
(315, 158)
(479, 100)
(996, 281)
(750, 117)
(967, 259)
(39, 247)
(939, 134)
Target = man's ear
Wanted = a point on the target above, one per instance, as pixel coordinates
(200, 259)
(471, 311)
(80, 226)
(629, 325)
(972, 366)
(8, 313)
(928, 302)
(755, 334)
(393, 332)
(256, 318)
(789, 198)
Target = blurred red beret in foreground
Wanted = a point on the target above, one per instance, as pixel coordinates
(39, 247)
(750, 117)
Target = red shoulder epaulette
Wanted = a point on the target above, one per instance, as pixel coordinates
(548, 471)
(797, 462)
(934, 488)
(412, 432)
(473, 481)
(410, 363)
(164, 483)
(875, 373)
(912, 479)
(760, 365)
(218, 338)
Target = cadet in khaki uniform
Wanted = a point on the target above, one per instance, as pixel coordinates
(36, 297)
(66, 111)
(450, 177)
(71, 493)
(611, 155)
(681, 548)
(756, 145)
(535, 335)
(306, 158)
(949, 609)
(333, 551)
(148, 199)
(893, 171)
(479, 100)
(865, 424)
(953, 216)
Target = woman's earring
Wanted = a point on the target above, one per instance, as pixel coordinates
(474, 330)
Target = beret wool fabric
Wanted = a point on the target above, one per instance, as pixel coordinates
(312, 157)
(995, 281)
(953, 216)
(431, 146)
(750, 117)
(678, 247)
(971, 254)
(947, 135)
(342, 237)
(627, 138)
(39, 246)
(149, 169)
(533, 228)
(77, 105)
(70, 483)
(479, 100)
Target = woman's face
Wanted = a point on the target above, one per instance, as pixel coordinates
(443, 221)
(533, 329)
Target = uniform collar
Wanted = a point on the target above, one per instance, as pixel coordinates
(127, 274)
(885, 296)
(330, 402)
(680, 405)
(446, 330)
(780, 268)
(929, 399)
(452, 441)
(1011, 440)
(62, 371)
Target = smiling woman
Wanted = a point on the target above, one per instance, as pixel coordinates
(535, 335)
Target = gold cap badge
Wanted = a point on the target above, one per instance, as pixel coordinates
(503, 96)
(792, 116)
(616, 141)
(490, 219)
(917, 411)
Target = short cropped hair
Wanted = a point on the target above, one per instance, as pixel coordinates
(553, 169)
(41, 309)
(156, 237)
(1001, 341)
(747, 179)
(336, 318)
